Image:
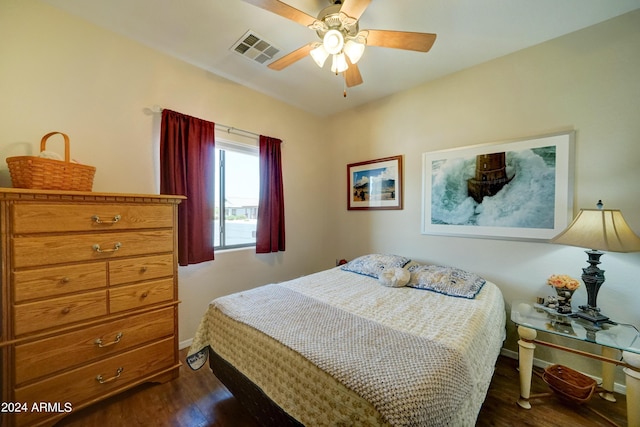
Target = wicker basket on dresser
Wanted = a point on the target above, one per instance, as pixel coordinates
(89, 299)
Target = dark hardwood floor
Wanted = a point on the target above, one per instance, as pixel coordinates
(500, 409)
(198, 399)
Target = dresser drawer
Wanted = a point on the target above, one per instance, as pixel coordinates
(34, 316)
(138, 269)
(30, 251)
(140, 295)
(56, 218)
(83, 384)
(54, 281)
(50, 355)
(88, 291)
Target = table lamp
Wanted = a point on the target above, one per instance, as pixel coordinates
(601, 230)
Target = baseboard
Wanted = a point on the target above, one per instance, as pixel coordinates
(184, 344)
(538, 363)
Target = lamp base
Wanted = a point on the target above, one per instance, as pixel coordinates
(592, 314)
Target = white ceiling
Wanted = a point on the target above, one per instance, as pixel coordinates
(470, 32)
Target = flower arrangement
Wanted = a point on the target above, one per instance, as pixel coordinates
(562, 281)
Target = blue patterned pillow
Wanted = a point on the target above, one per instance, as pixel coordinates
(446, 280)
(373, 264)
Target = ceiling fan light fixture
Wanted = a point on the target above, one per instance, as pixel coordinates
(319, 55)
(333, 41)
(354, 50)
(339, 64)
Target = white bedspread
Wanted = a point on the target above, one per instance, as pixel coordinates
(473, 328)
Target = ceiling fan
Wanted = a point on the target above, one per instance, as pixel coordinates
(341, 38)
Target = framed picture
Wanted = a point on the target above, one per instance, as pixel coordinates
(520, 189)
(375, 184)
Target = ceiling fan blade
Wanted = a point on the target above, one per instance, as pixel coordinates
(420, 42)
(292, 57)
(354, 8)
(352, 76)
(284, 10)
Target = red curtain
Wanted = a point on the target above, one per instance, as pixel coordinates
(187, 150)
(270, 228)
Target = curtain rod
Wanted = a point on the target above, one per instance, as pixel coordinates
(229, 129)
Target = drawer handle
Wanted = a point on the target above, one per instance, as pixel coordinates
(66, 310)
(101, 380)
(97, 220)
(98, 249)
(100, 344)
(144, 295)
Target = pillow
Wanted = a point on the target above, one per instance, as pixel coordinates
(373, 264)
(394, 277)
(446, 280)
(412, 265)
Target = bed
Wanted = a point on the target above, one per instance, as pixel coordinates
(379, 341)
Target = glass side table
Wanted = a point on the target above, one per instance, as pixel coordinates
(531, 317)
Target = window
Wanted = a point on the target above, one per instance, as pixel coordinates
(237, 187)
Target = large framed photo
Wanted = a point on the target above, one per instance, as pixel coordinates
(375, 184)
(521, 189)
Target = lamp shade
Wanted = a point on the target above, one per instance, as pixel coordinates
(320, 55)
(333, 41)
(600, 229)
(354, 50)
(339, 64)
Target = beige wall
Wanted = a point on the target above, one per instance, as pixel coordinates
(60, 73)
(587, 81)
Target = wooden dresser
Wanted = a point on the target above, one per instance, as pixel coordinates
(89, 299)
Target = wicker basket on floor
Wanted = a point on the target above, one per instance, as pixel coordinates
(47, 174)
(569, 384)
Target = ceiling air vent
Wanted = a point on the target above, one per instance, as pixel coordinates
(254, 47)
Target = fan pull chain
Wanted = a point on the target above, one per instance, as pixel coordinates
(344, 90)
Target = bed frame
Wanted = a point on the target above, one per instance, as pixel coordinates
(249, 395)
